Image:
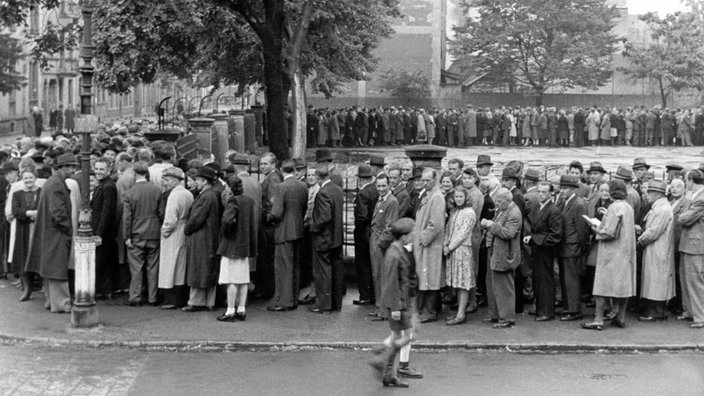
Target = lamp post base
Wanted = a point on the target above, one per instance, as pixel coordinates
(84, 316)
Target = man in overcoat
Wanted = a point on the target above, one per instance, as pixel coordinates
(103, 205)
(51, 242)
(575, 236)
(173, 256)
(141, 221)
(265, 283)
(428, 245)
(385, 212)
(327, 229)
(363, 208)
(287, 212)
(504, 243)
(692, 252)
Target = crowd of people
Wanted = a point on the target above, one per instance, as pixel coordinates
(196, 235)
(504, 126)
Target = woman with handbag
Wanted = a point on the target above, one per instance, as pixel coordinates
(615, 275)
(238, 243)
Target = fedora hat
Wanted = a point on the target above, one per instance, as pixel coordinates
(417, 173)
(532, 174)
(595, 166)
(299, 163)
(207, 172)
(66, 159)
(241, 159)
(657, 185)
(174, 172)
(509, 173)
(484, 159)
(640, 163)
(623, 173)
(569, 181)
(403, 226)
(364, 171)
(376, 160)
(322, 155)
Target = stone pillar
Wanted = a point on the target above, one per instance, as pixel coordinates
(203, 128)
(236, 133)
(222, 140)
(260, 125)
(427, 155)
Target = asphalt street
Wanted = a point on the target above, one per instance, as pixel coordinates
(65, 371)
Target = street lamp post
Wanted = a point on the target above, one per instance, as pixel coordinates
(85, 312)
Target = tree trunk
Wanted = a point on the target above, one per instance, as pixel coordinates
(663, 94)
(539, 97)
(298, 104)
(275, 96)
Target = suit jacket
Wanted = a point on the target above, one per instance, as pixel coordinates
(288, 210)
(385, 213)
(395, 278)
(268, 191)
(141, 216)
(575, 230)
(404, 201)
(327, 217)
(504, 239)
(546, 227)
(104, 209)
(364, 206)
(677, 210)
(692, 221)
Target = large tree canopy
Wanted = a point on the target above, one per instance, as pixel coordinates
(674, 58)
(10, 53)
(542, 43)
(243, 42)
(406, 85)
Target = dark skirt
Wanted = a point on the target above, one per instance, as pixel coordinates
(21, 249)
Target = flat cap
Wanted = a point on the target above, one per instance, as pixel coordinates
(403, 226)
(174, 172)
(657, 185)
(532, 174)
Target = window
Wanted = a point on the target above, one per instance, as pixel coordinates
(34, 22)
(12, 102)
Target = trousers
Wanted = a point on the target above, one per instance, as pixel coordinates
(543, 281)
(693, 285)
(366, 279)
(57, 294)
(144, 256)
(287, 273)
(570, 284)
(501, 296)
(327, 272)
(202, 296)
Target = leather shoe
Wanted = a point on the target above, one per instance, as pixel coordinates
(226, 318)
(456, 321)
(362, 302)
(429, 319)
(503, 325)
(168, 306)
(409, 372)
(317, 310)
(193, 308)
(471, 310)
(533, 313)
(490, 320)
(618, 323)
(697, 325)
(544, 318)
(394, 382)
(240, 316)
(685, 317)
(307, 300)
(133, 303)
(278, 308)
(571, 317)
(610, 316)
(592, 326)
(650, 318)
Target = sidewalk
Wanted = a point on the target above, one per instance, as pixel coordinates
(152, 328)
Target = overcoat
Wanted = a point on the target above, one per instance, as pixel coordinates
(173, 254)
(239, 239)
(327, 226)
(470, 124)
(616, 260)
(428, 240)
(504, 239)
(658, 283)
(203, 232)
(593, 123)
(51, 243)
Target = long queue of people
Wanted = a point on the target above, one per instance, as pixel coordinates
(505, 126)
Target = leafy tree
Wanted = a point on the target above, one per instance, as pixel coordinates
(674, 58)
(406, 85)
(546, 43)
(10, 54)
(273, 42)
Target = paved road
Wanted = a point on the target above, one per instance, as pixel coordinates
(29, 370)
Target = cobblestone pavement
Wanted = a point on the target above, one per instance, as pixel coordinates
(32, 371)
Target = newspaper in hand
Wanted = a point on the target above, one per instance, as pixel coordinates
(592, 221)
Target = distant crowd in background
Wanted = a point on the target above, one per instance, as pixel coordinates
(505, 126)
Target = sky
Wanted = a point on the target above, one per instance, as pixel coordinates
(662, 7)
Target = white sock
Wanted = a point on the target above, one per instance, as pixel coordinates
(405, 353)
(240, 309)
(388, 341)
(230, 311)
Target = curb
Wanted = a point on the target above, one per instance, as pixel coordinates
(246, 346)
